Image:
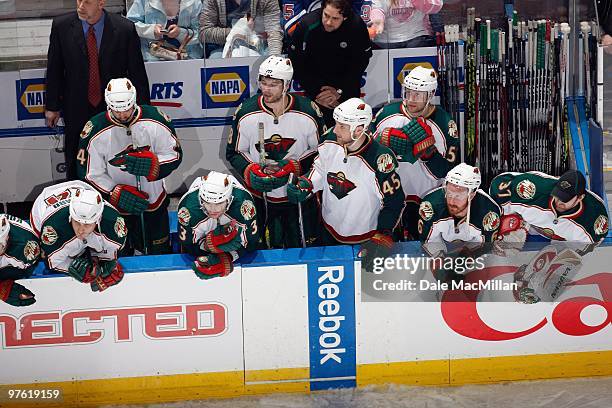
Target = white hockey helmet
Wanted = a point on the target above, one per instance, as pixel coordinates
(120, 94)
(5, 227)
(215, 188)
(420, 79)
(354, 112)
(464, 175)
(277, 68)
(86, 206)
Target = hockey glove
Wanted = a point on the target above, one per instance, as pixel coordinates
(213, 265)
(411, 142)
(224, 238)
(379, 246)
(511, 235)
(287, 167)
(83, 269)
(256, 179)
(140, 162)
(129, 199)
(111, 273)
(296, 193)
(15, 294)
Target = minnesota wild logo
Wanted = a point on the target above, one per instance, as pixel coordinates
(276, 146)
(339, 185)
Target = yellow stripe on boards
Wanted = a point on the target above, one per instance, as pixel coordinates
(182, 387)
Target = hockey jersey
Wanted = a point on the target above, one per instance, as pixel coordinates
(23, 251)
(102, 138)
(194, 224)
(50, 219)
(292, 135)
(440, 231)
(529, 194)
(293, 10)
(422, 176)
(361, 192)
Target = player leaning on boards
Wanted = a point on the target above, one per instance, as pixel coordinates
(274, 134)
(561, 209)
(80, 233)
(362, 196)
(424, 138)
(19, 254)
(217, 223)
(458, 219)
(126, 153)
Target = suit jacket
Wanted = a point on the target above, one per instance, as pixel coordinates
(68, 65)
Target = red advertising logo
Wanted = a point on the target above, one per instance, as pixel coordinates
(158, 322)
(459, 309)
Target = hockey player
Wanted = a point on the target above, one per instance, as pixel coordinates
(561, 209)
(362, 196)
(80, 233)
(424, 138)
(19, 254)
(458, 219)
(217, 223)
(274, 134)
(126, 153)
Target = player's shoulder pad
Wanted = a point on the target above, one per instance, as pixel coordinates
(112, 224)
(243, 206)
(306, 105)
(156, 114)
(596, 214)
(329, 136)
(95, 125)
(381, 158)
(189, 210)
(443, 119)
(485, 211)
(56, 229)
(387, 110)
(247, 106)
(24, 244)
(433, 205)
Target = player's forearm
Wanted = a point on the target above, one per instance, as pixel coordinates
(12, 272)
(438, 165)
(167, 167)
(392, 209)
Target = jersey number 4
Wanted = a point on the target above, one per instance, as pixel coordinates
(81, 157)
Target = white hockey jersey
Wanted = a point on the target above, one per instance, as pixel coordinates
(103, 138)
(50, 220)
(292, 135)
(361, 193)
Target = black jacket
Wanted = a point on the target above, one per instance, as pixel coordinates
(68, 66)
(605, 15)
(337, 59)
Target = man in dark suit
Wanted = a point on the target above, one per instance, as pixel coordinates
(89, 37)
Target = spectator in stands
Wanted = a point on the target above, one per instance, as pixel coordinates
(330, 49)
(88, 37)
(219, 16)
(293, 10)
(175, 24)
(403, 23)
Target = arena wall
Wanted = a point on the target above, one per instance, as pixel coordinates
(290, 321)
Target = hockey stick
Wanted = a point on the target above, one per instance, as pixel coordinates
(145, 245)
(300, 217)
(262, 163)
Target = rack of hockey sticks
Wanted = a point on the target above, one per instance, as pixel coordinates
(516, 81)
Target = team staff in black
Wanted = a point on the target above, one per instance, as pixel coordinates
(330, 49)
